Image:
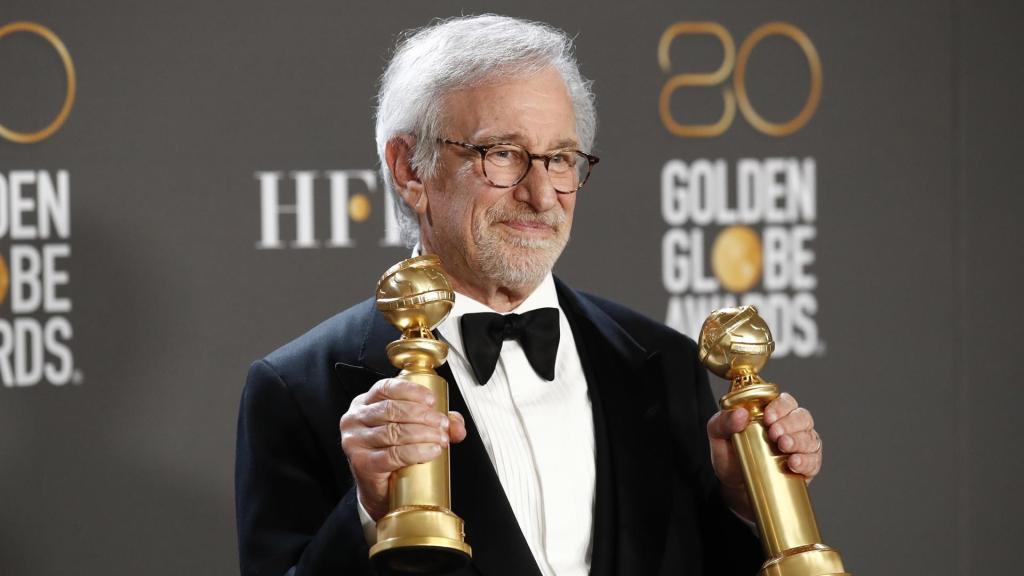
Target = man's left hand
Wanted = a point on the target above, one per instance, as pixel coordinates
(789, 426)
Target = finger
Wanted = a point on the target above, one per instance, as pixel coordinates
(457, 429)
(395, 434)
(387, 460)
(396, 389)
(807, 465)
(805, 442)
(725, 423)
(799, 420)
(359, 400)
(401, 411)
(779, 407)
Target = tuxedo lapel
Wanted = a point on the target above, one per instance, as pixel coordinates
(370, 363)
(629, 514)
(499, 548)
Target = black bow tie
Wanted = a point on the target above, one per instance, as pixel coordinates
(537, 332)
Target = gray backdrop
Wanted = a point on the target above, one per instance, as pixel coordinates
(122, 461)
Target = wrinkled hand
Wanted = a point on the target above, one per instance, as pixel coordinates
(789, 426)
(391, 426)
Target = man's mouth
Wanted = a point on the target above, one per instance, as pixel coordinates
(528, 226)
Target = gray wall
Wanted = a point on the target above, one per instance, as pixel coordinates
(128, 466)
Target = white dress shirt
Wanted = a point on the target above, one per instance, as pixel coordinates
(539, 436)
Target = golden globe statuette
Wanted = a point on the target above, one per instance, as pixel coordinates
(420, 534)
(735, 343)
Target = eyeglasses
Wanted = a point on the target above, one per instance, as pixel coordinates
(506, 165)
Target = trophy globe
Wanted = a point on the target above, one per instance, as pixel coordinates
(735, 343)
(415, 295)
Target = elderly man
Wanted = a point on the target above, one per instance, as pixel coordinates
(587, 444)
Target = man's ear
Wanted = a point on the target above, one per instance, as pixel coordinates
(398, 154)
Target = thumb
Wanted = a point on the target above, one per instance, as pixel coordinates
(721, 427)
(725, 423)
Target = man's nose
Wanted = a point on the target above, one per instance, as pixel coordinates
(536, 188)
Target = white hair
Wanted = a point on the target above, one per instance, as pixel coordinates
(457, 53)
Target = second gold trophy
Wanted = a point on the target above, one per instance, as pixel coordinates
(735, 343)
(420, 534)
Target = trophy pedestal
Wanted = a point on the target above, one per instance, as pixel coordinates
(420, 540)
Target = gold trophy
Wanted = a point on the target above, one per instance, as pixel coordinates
(419, 534)
(735, 343)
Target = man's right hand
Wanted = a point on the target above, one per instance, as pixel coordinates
(391, 426)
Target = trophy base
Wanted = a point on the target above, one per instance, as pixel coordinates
(420, 540)
(812, 560)
(409, 559)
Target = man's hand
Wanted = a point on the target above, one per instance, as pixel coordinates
(391, 426)
(789, 426)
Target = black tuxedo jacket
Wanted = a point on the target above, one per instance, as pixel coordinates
(658, 508)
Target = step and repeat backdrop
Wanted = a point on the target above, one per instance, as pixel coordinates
(186, 186)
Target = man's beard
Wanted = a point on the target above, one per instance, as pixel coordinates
(517, 261)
